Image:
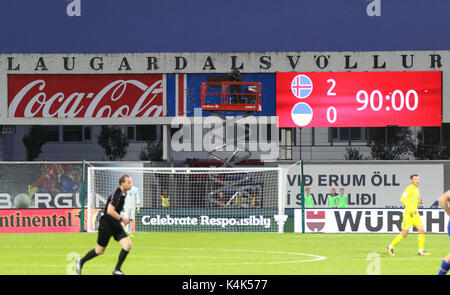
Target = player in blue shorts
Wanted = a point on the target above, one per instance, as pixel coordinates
(444, 201)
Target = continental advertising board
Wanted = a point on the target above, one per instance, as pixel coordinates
(39, 220)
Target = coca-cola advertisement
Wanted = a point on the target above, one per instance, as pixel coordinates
(85, 96)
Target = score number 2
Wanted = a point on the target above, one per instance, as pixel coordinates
(331, 111)
(333, 84)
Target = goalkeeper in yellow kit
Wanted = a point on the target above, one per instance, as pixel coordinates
(411, 198)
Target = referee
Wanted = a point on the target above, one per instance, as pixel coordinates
(110, 225)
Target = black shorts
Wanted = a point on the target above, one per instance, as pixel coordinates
(109, 228)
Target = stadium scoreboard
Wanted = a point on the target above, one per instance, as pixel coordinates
(359, 99)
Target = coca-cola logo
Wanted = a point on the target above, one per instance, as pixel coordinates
(85, 96)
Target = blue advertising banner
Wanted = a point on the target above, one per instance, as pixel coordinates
(111, 26)
(183, 93)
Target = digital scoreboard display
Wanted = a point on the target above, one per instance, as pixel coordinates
(359, 99)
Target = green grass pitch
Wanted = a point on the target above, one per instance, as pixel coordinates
(223, 254)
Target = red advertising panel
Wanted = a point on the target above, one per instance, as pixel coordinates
(39, 220)
(359, 99)
(85, 96)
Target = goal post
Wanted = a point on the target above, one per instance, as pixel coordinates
(195, 199)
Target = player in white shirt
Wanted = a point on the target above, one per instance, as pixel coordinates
(132, 203)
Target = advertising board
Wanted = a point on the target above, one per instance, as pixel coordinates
(85, 96)
(367, 185)
(366, 220)
(39, 220)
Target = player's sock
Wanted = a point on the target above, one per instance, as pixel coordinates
(397, 240)
(123, 254)
(421, 240)
(444, 268)
(91, 254)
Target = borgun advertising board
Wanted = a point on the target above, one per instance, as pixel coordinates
(367, 185)
(366, 221)
(55, 185)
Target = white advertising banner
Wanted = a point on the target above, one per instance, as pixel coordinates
(366, 220)
(367, 184)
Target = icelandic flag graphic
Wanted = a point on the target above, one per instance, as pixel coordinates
(301, 86)
(302, 114)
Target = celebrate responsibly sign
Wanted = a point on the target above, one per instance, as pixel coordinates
(208, 220)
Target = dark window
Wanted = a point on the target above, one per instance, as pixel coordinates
(269, 132)
(431, 136)
(146, 133)
(87, 133)
(334, 133)
(446, 133)
(376, 133)
(247, 132)
(72, 133)
(353, 133)
(347, 133)
(51, 133)
(130, 133)
(265, 132)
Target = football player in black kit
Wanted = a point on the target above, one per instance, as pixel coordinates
(110, 226)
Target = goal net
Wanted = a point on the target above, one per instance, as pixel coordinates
(194, 199)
